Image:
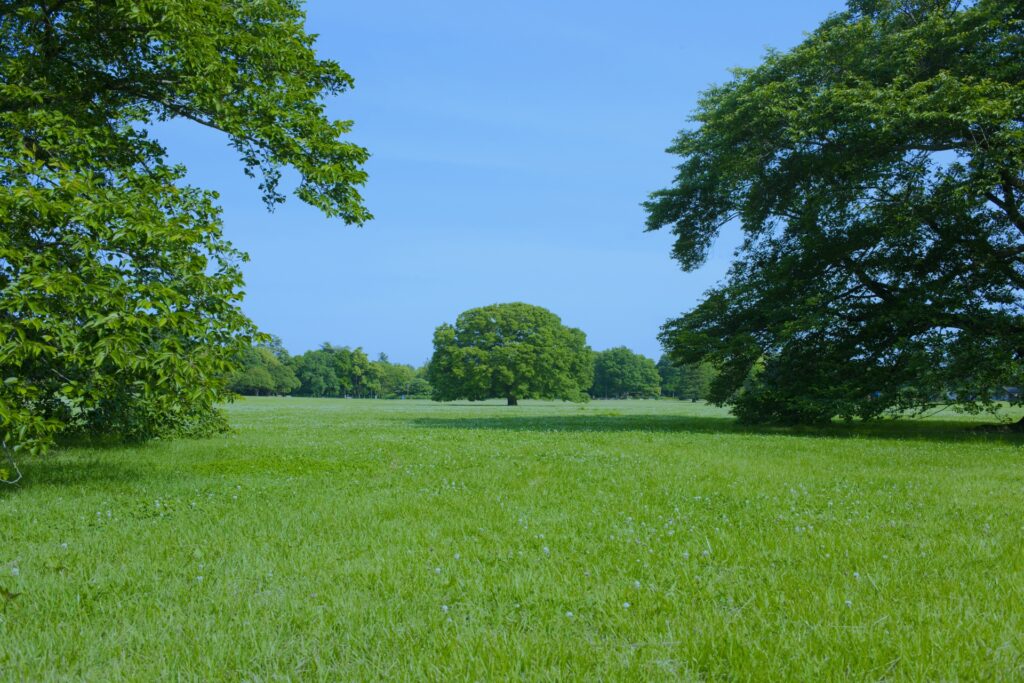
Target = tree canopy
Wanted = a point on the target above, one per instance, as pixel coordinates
(338, 371)
(335, 371)
(621, 373)
(877, 172)
(691, 382)
(512, 351)
(264, 370)
(118, 292)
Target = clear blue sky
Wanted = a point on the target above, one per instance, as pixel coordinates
(512, 144)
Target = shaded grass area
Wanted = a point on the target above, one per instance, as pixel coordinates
(358, 540)
(965, 429)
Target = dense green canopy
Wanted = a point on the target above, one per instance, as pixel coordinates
(621, 373)
(877, 171)
(510, 351)
(264, 370)
(118, 293)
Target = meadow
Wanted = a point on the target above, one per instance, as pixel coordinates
(618, 540)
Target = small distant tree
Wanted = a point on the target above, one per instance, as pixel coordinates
(397, 380)
(285, 381)
(510, 351)
(340, 371)
(689, 381)
(254, 380)
(316, 374)
(620, 373)
(419, 387)
(262, 372)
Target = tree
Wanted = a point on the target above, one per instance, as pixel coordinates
(337, 371)
(399, 381)
(316, 374)
(620, 373)
(691, 382)
(285, 381)
(262, 371)
(118, 293)
(419, 387)
(510, 351)
(253, 380)
(877, 171)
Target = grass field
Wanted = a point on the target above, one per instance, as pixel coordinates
(366, 540)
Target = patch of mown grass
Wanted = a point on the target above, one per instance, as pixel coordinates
(338, 539)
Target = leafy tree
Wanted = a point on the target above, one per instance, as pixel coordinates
(419, 387)
(285, 381)
(510, 351)
(263, 372)
(337, 371)
(620, 373)
(118, 293)
(691, 382)
(399, 381)
(877, 171)
(273, 344)
(253, 380)
(316, 374)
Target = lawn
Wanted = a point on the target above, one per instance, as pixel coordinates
(405, 540)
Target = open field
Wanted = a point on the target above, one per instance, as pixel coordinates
(361, 540)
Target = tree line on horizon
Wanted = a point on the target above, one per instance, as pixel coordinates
(268, 369)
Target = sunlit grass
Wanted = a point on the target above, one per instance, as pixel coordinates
(356, 540)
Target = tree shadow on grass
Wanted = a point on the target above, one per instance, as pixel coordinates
(59, 470)
(902, 429)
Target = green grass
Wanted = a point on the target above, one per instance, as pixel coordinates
(362, 540)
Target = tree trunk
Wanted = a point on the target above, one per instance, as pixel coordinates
(512, 401)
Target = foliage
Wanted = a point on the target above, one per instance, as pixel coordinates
(335, 371)
(264, 370)
(620, 373)
(510, 351)
(397, 380)
(118, 293)
(339, 371)
(877, 171)
(691, 382)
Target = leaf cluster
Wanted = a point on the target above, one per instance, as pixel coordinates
(512, 351)
(119, 296)
(877, 172)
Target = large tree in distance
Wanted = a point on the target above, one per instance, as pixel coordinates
(511, 351)
(877, 172)
(118, 293)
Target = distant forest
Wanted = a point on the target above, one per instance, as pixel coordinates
(268, 369)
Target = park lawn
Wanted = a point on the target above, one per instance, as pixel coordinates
(405, 540)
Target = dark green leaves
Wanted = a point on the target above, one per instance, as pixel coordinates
(877, 170)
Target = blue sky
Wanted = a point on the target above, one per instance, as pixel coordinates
(512, 145)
